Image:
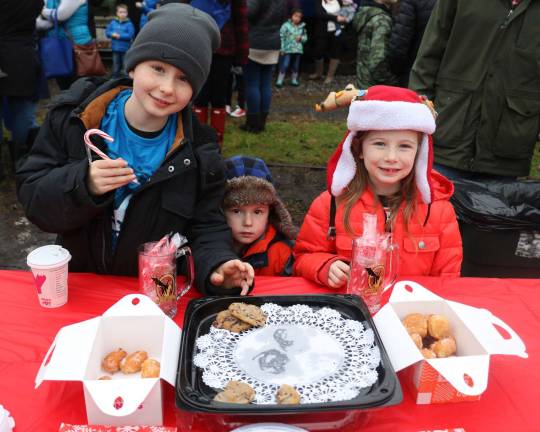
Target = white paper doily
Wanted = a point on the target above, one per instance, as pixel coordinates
(325, 356)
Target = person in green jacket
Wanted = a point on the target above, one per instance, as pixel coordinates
(479, 62)
(373, 25)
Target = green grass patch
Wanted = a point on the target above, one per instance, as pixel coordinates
(299, 142)
(535, 173)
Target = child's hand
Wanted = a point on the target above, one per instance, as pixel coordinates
(107, 175)
(338, 275)
(138, 4)
(233, 274)
(115, 35)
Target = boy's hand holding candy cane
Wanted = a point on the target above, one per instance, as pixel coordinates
(107, 174)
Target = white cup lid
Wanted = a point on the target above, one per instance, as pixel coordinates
(49, 256)
(6, 421)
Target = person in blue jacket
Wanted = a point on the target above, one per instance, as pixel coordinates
(146, 7)
(121, 31)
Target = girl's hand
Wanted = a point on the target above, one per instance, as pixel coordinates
(338, 275)
(233, 274)
(107, 175)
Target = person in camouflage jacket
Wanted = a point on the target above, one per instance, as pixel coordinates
(373, 25)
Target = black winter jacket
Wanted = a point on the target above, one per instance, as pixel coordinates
(264, 20)
(18, 55)
(407, 32)
(321, 20)
(184, 195)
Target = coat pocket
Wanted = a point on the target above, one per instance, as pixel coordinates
(518, 128)
(421, 244)
(178, 197)
(452, 107)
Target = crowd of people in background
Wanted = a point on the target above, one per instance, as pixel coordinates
(263, 40)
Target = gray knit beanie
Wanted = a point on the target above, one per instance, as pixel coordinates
(180, 35)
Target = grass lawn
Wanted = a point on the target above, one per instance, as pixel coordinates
(300, 141)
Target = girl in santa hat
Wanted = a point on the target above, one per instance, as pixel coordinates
(383, 167)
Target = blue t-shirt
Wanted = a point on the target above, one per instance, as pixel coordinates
(143, 155)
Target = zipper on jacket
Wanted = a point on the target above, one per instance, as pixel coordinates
(507, 19)
(103, 261)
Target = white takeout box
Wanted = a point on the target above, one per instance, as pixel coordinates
(458, 378)
(133, 323)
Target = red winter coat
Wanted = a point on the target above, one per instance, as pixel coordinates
(441, 253)
(271, 255)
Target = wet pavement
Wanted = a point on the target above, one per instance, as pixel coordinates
(17, 235)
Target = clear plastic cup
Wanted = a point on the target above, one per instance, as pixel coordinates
(49, 265)
(157, 276)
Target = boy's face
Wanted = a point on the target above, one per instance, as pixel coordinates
(160, 89)
(296, 17)
(248, 223)
(121, 13)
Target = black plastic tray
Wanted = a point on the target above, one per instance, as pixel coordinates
(193, 394)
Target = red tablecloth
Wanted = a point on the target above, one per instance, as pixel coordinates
(27, 330)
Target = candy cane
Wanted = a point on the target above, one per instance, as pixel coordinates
(90, 146)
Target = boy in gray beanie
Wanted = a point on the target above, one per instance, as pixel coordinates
(179, 35)
(163, 172)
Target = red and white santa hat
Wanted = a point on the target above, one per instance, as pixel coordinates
(385, 108)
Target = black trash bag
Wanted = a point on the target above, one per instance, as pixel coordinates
(498, 205)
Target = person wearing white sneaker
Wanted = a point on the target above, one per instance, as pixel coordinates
(238, 112)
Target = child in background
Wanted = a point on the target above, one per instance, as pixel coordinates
(262, 228)
(146, 7)
(165, 172)
(347, 11)
(373, 25)
(293, 36)
(383, 166)
(121, 31)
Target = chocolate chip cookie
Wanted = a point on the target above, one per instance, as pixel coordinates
(287, 395)
(227, 321)
(248, 313)
(236, 392)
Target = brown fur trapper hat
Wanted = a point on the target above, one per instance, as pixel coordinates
(247, 190)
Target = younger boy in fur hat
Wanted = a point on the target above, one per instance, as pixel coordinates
(165, 172)
(262, 228)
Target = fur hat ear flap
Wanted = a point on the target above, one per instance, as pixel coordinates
(282, 220)
(332, 163)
